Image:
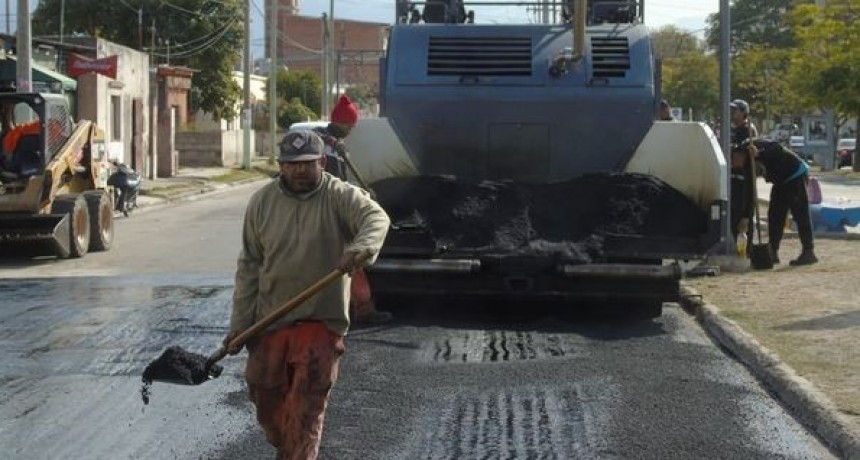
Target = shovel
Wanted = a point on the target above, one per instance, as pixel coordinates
(182, 367)
(363, 183)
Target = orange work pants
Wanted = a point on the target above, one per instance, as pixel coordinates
(360, 301)
(359, 294)
(290, 374)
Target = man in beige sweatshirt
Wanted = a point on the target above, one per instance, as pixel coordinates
(296, 230)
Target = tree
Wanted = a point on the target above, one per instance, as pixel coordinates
(303, 85)
(671, 42)
(761, 77)
(293, 111)
(203, 35)
(824, 65)
(691, 80)
(754, 23)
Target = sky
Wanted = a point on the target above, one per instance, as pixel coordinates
(688, 15)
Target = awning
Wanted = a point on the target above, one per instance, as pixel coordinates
(8, 69)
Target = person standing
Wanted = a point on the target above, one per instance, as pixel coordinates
(789, 175)
(296, 230)
(739, 111)
(743, 197)
(665, 113)
(343, 119)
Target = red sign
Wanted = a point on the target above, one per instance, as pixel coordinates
(79, 65)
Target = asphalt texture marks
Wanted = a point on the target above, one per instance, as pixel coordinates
(457, 383)
(545, 386)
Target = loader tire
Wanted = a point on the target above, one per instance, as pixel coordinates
(79, 222)
(101, 219)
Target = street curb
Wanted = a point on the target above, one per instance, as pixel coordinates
(814, 409)
(205, 190)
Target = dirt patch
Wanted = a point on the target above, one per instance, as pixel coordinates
(809, 316)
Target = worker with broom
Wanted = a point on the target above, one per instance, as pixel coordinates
(296, 230)
(343, 119)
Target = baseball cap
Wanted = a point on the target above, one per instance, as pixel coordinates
(300, 145)
(741, 105)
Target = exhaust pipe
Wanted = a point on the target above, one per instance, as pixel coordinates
(622, 271)
(426, 265)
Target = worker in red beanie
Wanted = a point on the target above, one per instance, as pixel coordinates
(343, 119)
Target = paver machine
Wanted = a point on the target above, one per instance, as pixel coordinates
(534, 105)
(54, 197)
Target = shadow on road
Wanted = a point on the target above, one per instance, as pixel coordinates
(598, 321)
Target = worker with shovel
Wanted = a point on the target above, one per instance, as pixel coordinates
(343, 119)
(296, 229)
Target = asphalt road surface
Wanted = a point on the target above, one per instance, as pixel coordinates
(443, 381)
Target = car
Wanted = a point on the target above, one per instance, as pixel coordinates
(796, 145)
(845, 149)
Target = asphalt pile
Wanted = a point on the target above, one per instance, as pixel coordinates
(570, 218)
(176, 365)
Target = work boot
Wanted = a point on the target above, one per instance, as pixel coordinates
(807, 257)
(366, 313)
(375, 318)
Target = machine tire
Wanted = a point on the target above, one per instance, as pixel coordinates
(79, 222)
(100, 208)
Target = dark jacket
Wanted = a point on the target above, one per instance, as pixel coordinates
(334, 165)
(780, 164)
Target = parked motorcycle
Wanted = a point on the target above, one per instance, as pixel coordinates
(126, 186)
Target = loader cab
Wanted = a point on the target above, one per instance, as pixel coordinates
(32, 130)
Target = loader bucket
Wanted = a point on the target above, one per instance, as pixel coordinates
(35, 235)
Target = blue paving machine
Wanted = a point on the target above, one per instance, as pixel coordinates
(540, 103)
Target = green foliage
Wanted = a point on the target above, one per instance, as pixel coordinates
(294, 111)
(755, 23)
(760, 76)
(825, 66)
(204, 35)
(691, 80)
(302, 85)
(671, 42)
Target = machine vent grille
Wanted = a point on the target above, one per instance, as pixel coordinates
(610, 57)
(479, 57)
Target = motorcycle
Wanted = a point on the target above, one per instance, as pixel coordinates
(126, 186)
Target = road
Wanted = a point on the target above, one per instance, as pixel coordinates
(442, 382)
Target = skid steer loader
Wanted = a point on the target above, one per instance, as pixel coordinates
(54, 197)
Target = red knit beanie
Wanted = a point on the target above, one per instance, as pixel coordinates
(344, 112)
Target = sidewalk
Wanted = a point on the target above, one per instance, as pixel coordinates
(192, 181)
(840, 206)
(798, 328)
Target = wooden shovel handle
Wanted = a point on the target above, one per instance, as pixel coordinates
(240, 340)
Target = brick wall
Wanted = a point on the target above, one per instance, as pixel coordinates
(358, 44)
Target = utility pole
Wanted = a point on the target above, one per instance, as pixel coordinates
(273, 78)
(8, 16)
(330, 62)
(725, 122)
(62, 20)
(24, 72)
(140, 28)
(246, 110)
(324, 68)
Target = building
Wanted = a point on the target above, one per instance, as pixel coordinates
(105, 82)
(357, 46)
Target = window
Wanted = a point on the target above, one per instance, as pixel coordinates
(116, 118)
